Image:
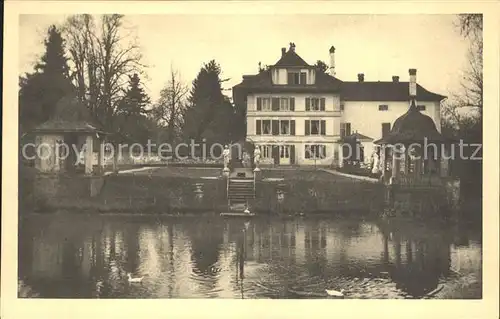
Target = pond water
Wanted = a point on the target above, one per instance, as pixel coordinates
(73, 256)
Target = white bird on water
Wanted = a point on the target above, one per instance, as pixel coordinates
(335, 293)
(130, 279)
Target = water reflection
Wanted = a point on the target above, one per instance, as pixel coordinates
(89, 257)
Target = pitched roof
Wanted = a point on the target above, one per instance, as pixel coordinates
(325, 83)
(262, 82)
(361, 137)
(65, 126)
(290, 58)
(355, 137)
(384, 91)
(71, 115)
(413, 127)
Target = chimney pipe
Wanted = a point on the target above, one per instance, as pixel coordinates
(395, 79)
(413, 83)
(332, 60)
(283, 51)
(361, 77)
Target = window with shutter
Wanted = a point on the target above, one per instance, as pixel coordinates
(315, 127)
(259, 104)
(265, 151)
(266, 127)
(315, 151)
(314, 104)
(322, 104)
(345, 129)
(303, 78)
(323, 127)
(266, 104)
(276, 154)
(276, 104)
(307, 127)
(284, 106)
(258, 128)
(285, 127)
(275, 127)
(292, 104)
(294, 77)
(292, 127)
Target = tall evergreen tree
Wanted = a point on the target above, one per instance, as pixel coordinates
(209, 113)
(53, 61)
(132, 122)
(41, 90)
(135, 100)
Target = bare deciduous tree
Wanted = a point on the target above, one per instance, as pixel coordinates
(470, 26)
(169, 110)
(103, 54)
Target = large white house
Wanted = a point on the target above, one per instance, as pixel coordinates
(298, 114)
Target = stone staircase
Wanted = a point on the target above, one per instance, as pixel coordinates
(240, 190)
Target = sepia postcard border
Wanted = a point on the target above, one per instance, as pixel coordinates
(12, 307)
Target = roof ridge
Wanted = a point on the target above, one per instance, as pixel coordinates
(291, 58)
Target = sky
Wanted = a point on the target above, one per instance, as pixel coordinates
(379, 46)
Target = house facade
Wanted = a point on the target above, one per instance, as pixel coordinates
(298, 114)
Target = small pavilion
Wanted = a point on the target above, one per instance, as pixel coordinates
(66, 143)
(412, 153)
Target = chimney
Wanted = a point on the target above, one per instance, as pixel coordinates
(332, 60)
(283, 51)
(292, 46)
(395, 79)
(361, 77)
(413, 83)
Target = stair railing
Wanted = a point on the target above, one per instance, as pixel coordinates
(227, 192)
(254, 179)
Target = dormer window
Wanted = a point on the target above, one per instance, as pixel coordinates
(297, 77)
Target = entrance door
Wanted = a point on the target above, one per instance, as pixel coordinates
(276, 154)
(284, 154)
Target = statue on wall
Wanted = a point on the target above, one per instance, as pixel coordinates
(256, 158)
(375, 163)
(227, 157)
